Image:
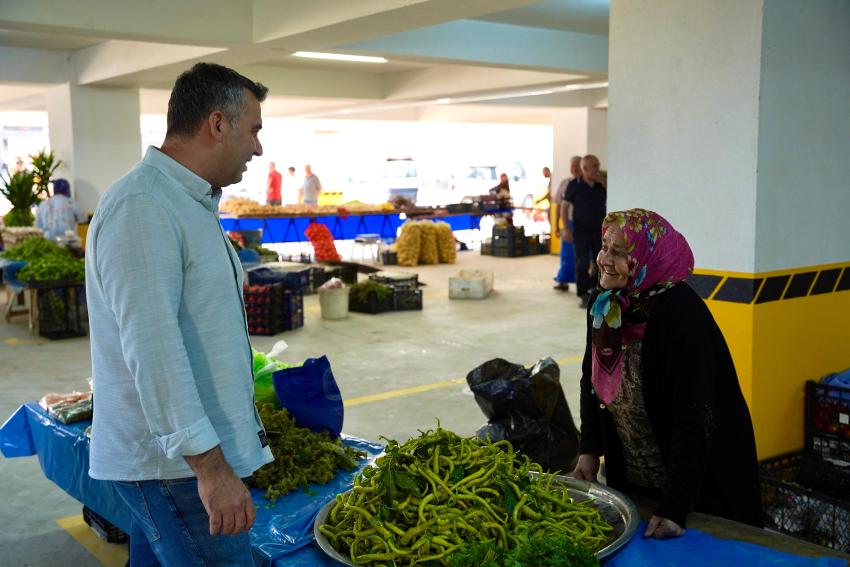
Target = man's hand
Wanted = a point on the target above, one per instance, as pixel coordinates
(662, 528)
(226, 500)
(587, 467)
(567, 235)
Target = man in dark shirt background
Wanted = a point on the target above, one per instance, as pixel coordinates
(586, 196)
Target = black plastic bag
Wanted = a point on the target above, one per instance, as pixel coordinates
(528, 408)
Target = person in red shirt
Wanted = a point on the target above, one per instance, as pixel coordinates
(273, 186)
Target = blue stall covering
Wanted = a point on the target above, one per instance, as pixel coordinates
(699, 549)
(282, 530)
(291, 229)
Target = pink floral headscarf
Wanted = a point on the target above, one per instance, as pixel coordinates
(659, 258)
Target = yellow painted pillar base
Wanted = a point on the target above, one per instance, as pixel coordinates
(782, 328)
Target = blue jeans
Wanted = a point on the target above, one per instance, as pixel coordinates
(170, 527)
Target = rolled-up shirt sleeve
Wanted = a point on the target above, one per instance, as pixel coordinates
(140, 259)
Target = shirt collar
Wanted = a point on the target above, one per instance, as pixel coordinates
(197, 187)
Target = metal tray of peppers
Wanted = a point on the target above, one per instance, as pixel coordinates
(407, 512)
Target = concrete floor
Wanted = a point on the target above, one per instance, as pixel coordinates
(522, 321)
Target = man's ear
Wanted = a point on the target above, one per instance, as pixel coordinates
(217, 125)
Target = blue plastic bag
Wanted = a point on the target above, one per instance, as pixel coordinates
(311, 396)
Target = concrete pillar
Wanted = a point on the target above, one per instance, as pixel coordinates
(732, 122)
(576, 132)
(95, 132)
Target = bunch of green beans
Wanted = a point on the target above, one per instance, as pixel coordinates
(428, 497)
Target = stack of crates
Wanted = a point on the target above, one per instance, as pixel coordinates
(274, 300)
(806, 493)
(60, 310)
(827, 450)
(509, 241)
(406, 293)
(272, 309)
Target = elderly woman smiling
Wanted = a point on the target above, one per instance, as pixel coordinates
(660, 398)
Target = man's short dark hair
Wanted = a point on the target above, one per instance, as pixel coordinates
(203, 89)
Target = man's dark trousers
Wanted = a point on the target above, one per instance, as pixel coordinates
(587, 242)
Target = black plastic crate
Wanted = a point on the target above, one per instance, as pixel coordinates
(295, 279)
(373, 305)
(459, 208)
(508, 231)
(827, 411)
(826, 465)
(298, 258)
(60, 313)
(400, 280)
(792, 508)
(389, 257)
(103, 528)
(407, 300)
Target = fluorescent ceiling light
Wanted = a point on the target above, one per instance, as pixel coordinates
(339, 57)
(443, 101)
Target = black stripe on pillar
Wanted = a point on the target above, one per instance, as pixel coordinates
(826, 281)
(844, 282)
(738, 290)
(800, 284)
(703, 284)
(772, 289)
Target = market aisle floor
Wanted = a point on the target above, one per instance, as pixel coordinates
(417, 359)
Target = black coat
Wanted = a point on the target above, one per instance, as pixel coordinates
(697, 412)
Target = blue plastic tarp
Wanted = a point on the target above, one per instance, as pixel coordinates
(699, 549)
(281, 535)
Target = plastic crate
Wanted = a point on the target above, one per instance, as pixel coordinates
(826, 465)
(459, 208)
(799, 511)
(397, 280)
(297, 258)
(273, 309)
(389, 258)
(373, 305)
(103, 528)
(827, 410)
(487, 247)
(508, 231)
(291, 279)
(407, 299)
(60, 314)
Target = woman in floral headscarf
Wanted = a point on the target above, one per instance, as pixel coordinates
(660, 398)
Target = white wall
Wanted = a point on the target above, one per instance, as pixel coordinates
(683, 120)
(597, 134)
(569, 131)
(804, 135)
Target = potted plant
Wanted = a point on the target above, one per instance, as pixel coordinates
(44, 165)
(22, 192)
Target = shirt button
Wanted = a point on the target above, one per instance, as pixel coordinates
(601, 406)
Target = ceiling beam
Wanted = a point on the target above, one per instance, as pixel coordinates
(457, 80)
(490, 43)
(204, 22)
(304, 82)
(111, 60)
(310, 24)
(25, 65)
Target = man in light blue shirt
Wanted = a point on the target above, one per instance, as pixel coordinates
(311, 187)
(174, 425)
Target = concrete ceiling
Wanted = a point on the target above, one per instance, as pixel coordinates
(436, 50)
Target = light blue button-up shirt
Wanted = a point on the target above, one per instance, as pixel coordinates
(171, 358)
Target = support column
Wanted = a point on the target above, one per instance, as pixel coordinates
(95, 132)
(576, 132)
(732, 123)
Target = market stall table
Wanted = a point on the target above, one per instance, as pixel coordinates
(282, 534)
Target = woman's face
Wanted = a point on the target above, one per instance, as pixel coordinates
(613, 260)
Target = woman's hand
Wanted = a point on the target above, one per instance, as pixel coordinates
(662, 528)
(587, 467)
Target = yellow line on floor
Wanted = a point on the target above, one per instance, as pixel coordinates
(14, 341)
(108, 554)
(390, 394)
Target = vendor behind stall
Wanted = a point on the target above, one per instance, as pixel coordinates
(59, 213)
(660, 398)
